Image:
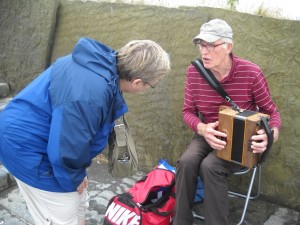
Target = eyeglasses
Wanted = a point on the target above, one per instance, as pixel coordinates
(209, 47)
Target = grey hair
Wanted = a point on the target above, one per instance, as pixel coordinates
(227, 40)
(142, 59)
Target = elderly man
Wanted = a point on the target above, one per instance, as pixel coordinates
(246, 85)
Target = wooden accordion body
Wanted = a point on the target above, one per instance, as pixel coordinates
(239, 127)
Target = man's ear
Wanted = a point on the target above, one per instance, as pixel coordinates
(229, 48)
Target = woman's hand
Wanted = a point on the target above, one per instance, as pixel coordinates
(83, 185)
(211, 135)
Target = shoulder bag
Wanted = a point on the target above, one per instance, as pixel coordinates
(122, 156)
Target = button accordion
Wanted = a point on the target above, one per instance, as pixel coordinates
(240, 127)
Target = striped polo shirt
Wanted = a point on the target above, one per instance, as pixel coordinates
(245, 84)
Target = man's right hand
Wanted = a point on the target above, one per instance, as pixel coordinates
(209, 132)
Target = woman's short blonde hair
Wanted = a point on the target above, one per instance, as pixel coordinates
(142, 59)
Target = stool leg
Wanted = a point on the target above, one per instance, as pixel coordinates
(258, 187)
(196, 216)
(248, 195)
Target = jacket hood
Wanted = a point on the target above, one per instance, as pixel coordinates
(97, 57)
(101, 59)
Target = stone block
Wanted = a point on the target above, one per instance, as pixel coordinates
(4, 102)
(3, 178)
(7, 180)
(4, 90)
(27, 34)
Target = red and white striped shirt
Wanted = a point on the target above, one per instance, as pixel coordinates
(246, 85)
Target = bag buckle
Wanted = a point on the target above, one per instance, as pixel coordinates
(120, 130)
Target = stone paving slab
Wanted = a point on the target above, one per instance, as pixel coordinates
(102, 187)
(13, 208)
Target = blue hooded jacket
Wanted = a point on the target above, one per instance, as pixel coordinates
(51, 131)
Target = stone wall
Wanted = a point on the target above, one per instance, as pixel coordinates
(26, 38)
(155, 117)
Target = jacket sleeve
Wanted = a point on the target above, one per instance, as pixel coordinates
(73, 127)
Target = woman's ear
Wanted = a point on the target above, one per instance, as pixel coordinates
(136, 82)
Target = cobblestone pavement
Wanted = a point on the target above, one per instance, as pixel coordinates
(102, 187)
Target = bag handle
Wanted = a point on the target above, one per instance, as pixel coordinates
(154, 207)
(214, 83)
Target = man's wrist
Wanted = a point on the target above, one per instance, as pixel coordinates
(200, 126)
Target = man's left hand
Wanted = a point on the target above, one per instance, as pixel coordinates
(259, 141)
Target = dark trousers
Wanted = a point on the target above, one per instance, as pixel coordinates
(200, 159)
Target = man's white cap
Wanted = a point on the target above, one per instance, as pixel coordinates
(213, 31)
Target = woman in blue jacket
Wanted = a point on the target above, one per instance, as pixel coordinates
(51, 131)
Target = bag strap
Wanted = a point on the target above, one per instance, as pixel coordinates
(120, 131)
(214, 83)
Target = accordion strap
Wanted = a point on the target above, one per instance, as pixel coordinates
(214, 83)
(269, 133)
